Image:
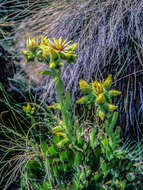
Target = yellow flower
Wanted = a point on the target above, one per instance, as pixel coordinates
(108, 82)
(97, 87)
(29, 109)
(44, 41)
(100, 99)
(32, 110)
(84, 86)
(32, 43)
(61, 45)
(45, 50)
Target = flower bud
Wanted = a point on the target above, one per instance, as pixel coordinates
(32, 43)
(114, 92)
(110, 107)
(33, 110)
(25, 52)
(52, 65)
(108, 82)
(84, 86)
(61, 64)
(101, 115)
(55, 106)
(100, 99)
(82, 100)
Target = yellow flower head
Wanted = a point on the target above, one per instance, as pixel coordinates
(45, 50)
(44, 41)
(60, 45)
(84, 86)
(32, 43)
(97, 87)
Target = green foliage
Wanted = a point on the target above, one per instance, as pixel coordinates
(76, 157)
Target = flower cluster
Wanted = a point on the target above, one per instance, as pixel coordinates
(100, 94)
(50, 51)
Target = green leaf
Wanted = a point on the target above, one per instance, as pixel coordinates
(114, 119)
(32, 164)
(93, 138)
(52, 150)
(59, 86)
(80, 141)
(63, 156)
(45, 186)
(57, 129)
(62, 142)
(56, 139)
(47, 73)
(117, 131)
(105, 142)
(44, 147)
(123, 184)
(78, 158)
(96, 177)
(130, 177)
(104, 167)
(66, 105)
(48, 161)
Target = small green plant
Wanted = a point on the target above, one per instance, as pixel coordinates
(79, 157)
